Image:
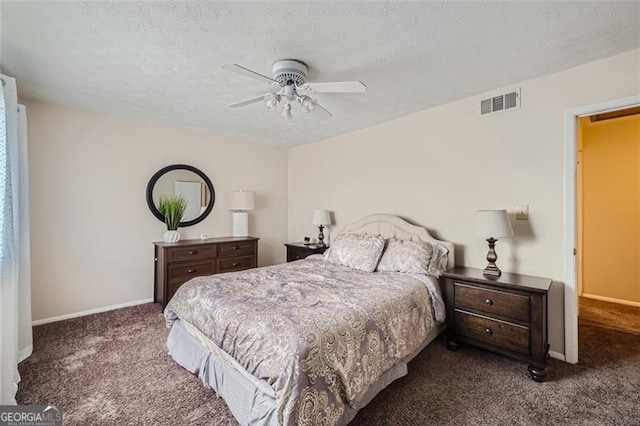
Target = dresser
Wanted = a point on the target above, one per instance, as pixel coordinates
(506, 315)
(177, 263)
(297, 251)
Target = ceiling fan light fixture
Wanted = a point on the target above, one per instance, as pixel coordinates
(271, 100)
(309, 104)
(286, 112)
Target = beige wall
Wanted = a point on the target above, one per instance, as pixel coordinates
(91, 230)
(437, 166)
(611, 208)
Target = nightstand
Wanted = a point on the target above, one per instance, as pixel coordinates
(506, 315)
(297, 251)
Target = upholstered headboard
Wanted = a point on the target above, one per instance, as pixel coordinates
(390, 226)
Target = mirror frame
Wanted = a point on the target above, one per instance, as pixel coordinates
(162, 172)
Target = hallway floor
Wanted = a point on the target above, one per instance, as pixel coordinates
(609, 315)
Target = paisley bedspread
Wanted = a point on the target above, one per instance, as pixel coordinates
(318, 333)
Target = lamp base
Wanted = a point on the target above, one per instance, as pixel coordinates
(240, 224)
(492, 270)
(321, 242)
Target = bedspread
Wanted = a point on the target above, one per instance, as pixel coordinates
(319, 334)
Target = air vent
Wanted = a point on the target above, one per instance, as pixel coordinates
(502, 102)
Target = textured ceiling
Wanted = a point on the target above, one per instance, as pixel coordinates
(160, 61)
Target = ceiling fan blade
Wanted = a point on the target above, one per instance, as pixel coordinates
(247, 101)
(336, 87)
(248, 73)
(317, 105)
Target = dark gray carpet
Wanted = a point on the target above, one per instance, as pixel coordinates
(112, 369)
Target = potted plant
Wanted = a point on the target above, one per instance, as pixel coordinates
(172, 208)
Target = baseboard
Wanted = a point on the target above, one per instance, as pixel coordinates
(611, 300)
(91, 312)
(557, 355)
(25, 353)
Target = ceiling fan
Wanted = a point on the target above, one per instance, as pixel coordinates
(290, 78)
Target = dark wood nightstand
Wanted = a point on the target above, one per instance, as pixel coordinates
(297, 251)
(506, 314)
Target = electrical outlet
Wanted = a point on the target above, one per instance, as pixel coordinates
(522, 212)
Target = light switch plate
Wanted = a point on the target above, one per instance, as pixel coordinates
(522, 212)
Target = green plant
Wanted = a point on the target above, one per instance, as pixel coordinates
(172, 208)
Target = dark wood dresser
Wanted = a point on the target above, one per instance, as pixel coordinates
(177, 263)
(297, 251)
(506, 314)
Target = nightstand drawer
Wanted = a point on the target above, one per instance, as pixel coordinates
(493, 332)
(297, 254)
(235, 264)
(191, 253)
(236, 249)
(493, 302)
(297, 251)
(185, 271)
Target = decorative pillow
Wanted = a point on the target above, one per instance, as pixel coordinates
(439, 260)
(413, 257)
(406, 256)
(357, 251)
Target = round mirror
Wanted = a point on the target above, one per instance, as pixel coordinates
(188, 182)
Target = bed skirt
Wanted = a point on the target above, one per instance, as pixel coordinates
(252, 401)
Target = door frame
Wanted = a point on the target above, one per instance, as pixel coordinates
(570, 219)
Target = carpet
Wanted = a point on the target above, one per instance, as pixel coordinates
(112, 369)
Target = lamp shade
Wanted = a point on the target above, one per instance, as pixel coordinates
(241, 200)
(321, 217)
(493, 223)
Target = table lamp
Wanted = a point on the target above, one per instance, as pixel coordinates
(239, 202)
(492, 224)
(321, 218)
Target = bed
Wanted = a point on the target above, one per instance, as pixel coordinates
(312, 341)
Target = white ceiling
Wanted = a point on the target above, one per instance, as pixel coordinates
(160, 61)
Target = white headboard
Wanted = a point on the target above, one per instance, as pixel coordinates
(390, 226)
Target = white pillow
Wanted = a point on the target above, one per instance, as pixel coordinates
(357, 251)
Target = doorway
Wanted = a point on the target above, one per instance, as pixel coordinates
(571, 290)
(608, 220)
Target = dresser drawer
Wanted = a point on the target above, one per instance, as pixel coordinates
(493, 332)
(185, 271)
(191, 253)
(236, 249)
(177, 263)
(493, 302)
(236, 263)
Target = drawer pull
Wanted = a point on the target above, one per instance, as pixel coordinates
(235, 264)
(235, 248)
(488, 331)
(192, 271)
(193, 252)
(489, 302)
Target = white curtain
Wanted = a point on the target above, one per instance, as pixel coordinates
(15, 286)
